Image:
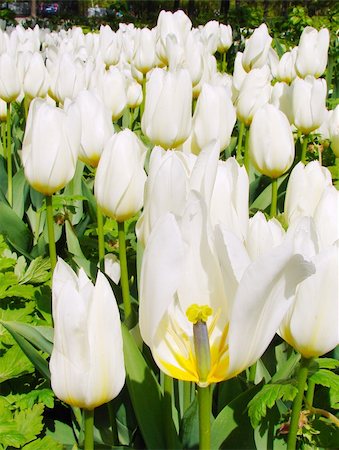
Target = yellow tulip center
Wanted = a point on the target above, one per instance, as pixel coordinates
(198, 315)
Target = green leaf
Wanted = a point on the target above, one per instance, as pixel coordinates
(38, 271)
(32, 354)
(20, 192)
(189, 430)
(10, 436)
(42, 444)
(327, 363)
(145, 394)
(267, 397)
(14, 364)
(14, 229)
(328, 379)
(9, 287)
(36, 335)
(29, 421)
(233, 417)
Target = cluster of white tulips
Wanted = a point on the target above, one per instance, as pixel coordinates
(216, 284)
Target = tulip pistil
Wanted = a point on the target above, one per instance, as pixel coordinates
(198, 315)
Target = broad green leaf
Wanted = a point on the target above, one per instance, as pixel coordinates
(63, 433)
(20, 192)
(232, 417)
(189, 429)
(74, 191)
(75, 249)
(263, 201)
(13, 364)
(29, 421)
(10, 436)
(267, 397)
(327, 363)
(14, 229)
(33, 334)
(328, 379)
(32, 354)
(145, 394)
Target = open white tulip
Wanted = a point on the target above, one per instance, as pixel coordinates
(206, 311)
(87, 362)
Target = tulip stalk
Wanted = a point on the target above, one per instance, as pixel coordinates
(204, 401)
(50, 229)
(89, 429)
(142, 106)
(297, 404)
(9, 157)
(304, 149)
(274, 197)
(246, 151)
(240, 138)
(124, 272)
(101, 239)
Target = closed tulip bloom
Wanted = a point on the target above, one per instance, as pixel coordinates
(50, 146)
(87, 362)
(166, 188)
(214, 118)
(109, 45)
(281, 98)
(239, 75)
(333, 126)
(10, 86)
(304, 190)
(70, 78)
(120, 177)
(308, 103)
(167, 116)
(144, 57)
(257, 48)
(271, 143)
(134, 94)
(35, 79)
(255, 92)
(199, 312)
(312, 52)
(111, 87)
(225, 38)
(229, 202)
(286, 67)
(209, 36)
(311, 324)
(96, 127)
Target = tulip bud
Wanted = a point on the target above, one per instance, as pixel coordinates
(134, 94)
(312, 52)
(96, 127)
(225, 38)
(120, 178)
(70, 78)
(271, 144)
(281, 98)
(308, 103)
(35, 79)
(256, 48)
(50, 146)
(214, 118)
(167, 116)
(111, 86)
(255, 91)
(286, 67)
(87, 361)
(144, 50)
(304, 190)
(110, 45)
(9, 80)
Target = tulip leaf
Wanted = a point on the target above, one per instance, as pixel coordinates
(233, 417)
(328, 379)
(267, 397)
(145, 395)
(30, 351)
(189, 429)
(14, 229)
(20, 192)
(40, 337)
(263, 200)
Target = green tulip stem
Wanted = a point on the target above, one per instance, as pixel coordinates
(224, 62)
(142, 106)
(310, 393)
(124, 273)
(101, 239)
(274, 197)
(89, 429)
(168, 393)
(187, 388)
(50, 229)
(246, 150)
(205, 405)
(9, 157)
(4, 139)
(304, 149)
(297, 403)
(27, 102)
(240, 138)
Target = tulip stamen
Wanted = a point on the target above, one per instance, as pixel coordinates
(198, 315)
